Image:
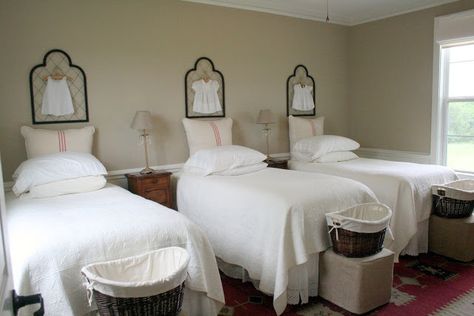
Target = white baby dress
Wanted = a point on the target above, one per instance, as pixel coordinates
(206, 99)
(57, 99)
(302, 98)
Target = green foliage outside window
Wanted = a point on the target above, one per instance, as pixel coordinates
(460, 154)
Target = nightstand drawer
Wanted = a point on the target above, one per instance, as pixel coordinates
(154, 186)
(155, 182)
(157, 195)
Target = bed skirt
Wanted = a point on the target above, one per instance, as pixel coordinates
(302, 280)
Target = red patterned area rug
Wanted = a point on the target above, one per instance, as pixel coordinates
(424, 285)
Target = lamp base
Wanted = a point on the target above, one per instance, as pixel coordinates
(147, 170)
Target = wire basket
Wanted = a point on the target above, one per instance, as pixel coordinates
(359, 231)
(164, 304)
(454, 200)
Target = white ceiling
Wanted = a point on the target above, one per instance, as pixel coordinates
(345, 12)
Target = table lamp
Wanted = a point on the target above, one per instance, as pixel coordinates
(143, 122)
(266, 117)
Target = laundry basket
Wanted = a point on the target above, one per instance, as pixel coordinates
(359, 231)
(454, 199)
(145, 285)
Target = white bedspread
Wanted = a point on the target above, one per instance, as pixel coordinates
(51, 239)
(268, 221)
(404, 187)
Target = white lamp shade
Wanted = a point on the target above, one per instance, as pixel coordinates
(265, 117)
(142, 120)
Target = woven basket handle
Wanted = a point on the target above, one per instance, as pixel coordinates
(441, 192)
(90, 288)
(338, 218)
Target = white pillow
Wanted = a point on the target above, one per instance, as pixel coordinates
(70, 186)
(222, 158)
(300, 128)
(207, 134)
(242, 170)
(55, 167)
(41, 142)
(314, 147)
(337, 156)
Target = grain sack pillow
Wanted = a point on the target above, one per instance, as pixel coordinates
(40, 142)
(207, 134)
(300, 128)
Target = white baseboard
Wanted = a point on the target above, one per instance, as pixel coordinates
(280, 156)
(396, 155)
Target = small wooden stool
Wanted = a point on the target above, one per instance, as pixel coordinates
(356, 284)
(452, 237)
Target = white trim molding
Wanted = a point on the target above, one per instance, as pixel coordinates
(342, 12)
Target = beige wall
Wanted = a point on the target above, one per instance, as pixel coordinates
(135, 55)
(390, 75)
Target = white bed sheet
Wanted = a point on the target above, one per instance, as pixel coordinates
(404, 187)
(53, 238)
(270, 222)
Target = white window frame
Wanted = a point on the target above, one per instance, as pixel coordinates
(445, 99)
(450, 30)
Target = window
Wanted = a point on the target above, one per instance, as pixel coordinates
(457, 106)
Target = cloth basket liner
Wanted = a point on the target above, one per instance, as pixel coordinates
(144, 275)
(460, 190)
(362, 218)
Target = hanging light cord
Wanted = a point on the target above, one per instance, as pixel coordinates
(327, 10)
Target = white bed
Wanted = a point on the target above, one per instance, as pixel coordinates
(270, 222)
(53, 238)
(404, 187)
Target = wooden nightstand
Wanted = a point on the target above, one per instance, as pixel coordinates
(155, 186)
(281, 164)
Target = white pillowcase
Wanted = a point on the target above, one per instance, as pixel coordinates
(41, 142)
(55, 167)
(70, 186)
(242, 170)
(300, 128)
(222, 158)
(312, 148)
(207, 134)
(337, 156)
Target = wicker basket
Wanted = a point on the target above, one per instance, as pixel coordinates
(151, 284)
(356, 245)
(359, 231)
(454, 200)
(164, 304)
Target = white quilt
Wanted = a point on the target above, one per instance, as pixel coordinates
(51, 239)
(269, 221)
(404, 187)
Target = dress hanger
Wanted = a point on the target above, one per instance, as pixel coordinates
(57, 75)
(205, 77)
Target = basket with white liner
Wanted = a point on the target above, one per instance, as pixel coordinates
(359, 231)
(454, 199)
(147, 284)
